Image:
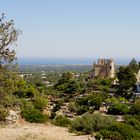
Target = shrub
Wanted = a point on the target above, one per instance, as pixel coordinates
(10, 101)
(61, 121)
(3, 114)
(89, 123)
(132, 121)
(34, 115)
(107, 127)
(98, 136)
(78, 109)
(40, 102)
(124, 131)
(135, 109)
(96, 101)
(26, 105)
(111, 135)
(118, 109)
(72, 107)
(81, 109)
(83, 125)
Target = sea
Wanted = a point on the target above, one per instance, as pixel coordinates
(67, 61)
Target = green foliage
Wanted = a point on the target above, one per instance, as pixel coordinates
(135, 109)
(83, 124)
(98, 136)
(34, 115)
(116, 100)
(95, 100)
(40, 102)
(100, 84)
(8, 85)
(26, 105)
(106, 127)
(89, 123)
(65, 78)
(25, 90)
(10, 101)
(61, 121)
(131, 120)
(68, 84)
(8, 37)
(111, 135)
(3, 114)
(120, 131)
(81, 109)
(134, 66)
(86, 104)
(79, 106)
(127, 80)
(118, 109)
(72, 87)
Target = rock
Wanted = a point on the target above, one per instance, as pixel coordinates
(13, 117)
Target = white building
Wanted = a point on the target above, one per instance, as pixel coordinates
(138, 82)
(138, 87)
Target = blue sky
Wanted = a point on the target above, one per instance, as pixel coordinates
(76, 28)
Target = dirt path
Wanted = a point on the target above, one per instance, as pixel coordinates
(29, 131)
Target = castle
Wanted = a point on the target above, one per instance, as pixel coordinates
(104, 68)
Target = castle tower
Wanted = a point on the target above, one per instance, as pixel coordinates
(112, 68)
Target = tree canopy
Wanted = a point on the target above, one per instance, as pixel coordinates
(134, 65)
(8, 37)
(127, 80)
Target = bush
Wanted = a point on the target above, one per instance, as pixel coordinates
(3, 114)
(40, 102)
(107, 127)
(123, 131)
(132, 121)
(81, 109)
(111, 135)
(26, 105)
(10, 101)
(98, 136)
(135, 109)
(61, 121)
(34, 115)
(95, 100)
(89, 123)
(118, 109)
(78, 109)
(83, 125)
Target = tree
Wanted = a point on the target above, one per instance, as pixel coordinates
(95, 100)
(66, 78)
(134, 65)
(118, 109)
(8, 37)
(8, 79)
(127, 80)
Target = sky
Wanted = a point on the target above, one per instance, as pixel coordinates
(75, 28)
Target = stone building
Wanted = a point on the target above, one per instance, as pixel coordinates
(104, 68)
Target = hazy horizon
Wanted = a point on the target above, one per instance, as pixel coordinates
(68, 61)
